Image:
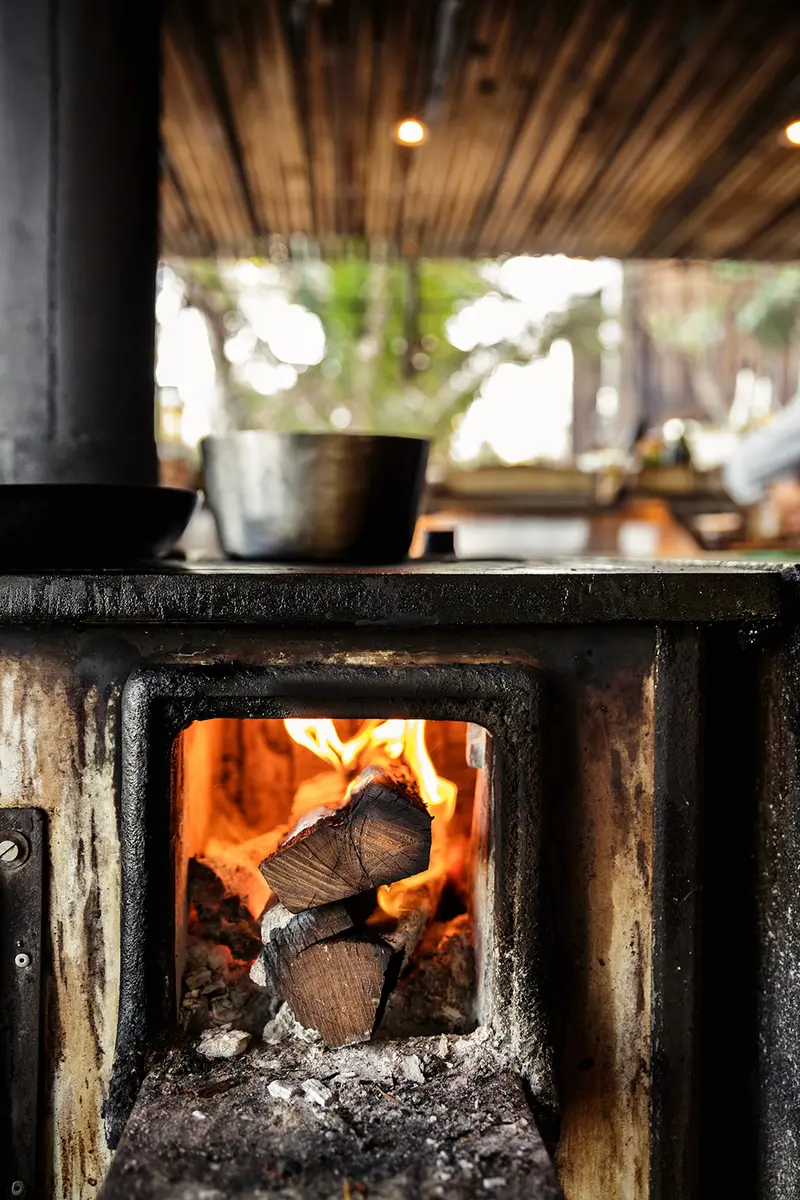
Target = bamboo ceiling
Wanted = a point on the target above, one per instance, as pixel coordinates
(584, 126)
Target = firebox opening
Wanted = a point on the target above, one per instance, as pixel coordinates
(332, 866)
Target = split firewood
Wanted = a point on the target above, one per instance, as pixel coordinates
(381, 835)
(340, 986)
(337, 987)
(334, 968)
(338, 992)
(405, 937)
(285, 934)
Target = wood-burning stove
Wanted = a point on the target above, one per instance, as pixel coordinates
(643, 726)
(641, 840)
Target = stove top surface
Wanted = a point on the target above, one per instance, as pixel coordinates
(413, 594)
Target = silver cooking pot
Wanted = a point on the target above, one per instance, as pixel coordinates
(326, 497)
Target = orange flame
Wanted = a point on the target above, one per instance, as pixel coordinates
(402, 742)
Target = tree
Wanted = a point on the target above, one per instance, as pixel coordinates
(388, 365)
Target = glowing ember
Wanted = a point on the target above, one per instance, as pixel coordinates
(401, 742)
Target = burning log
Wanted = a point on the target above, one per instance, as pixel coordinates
(324, 951)
(437, 995)
(330, 973)
(285, 934)
(381, 835)
(335, 969)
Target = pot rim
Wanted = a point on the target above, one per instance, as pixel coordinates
(286, 435)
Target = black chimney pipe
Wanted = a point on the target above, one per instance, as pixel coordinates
(79, 143)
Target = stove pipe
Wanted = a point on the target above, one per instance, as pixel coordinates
(79, 111)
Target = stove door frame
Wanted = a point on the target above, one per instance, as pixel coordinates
(504, 697)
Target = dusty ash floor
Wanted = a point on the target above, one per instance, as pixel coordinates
(422, 1118)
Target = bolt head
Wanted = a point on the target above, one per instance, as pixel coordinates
(14, 849)
(17, 1187)
(22, 960)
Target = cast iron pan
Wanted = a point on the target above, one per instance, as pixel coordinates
(89, 525)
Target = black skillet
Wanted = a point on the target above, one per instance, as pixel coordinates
(89, 525)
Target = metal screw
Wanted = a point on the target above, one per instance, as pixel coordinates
(23, 960)
(17, 1187)
(14, 849)
(9, 851)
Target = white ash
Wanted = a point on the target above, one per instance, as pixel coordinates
(258, 973)
(286, 1044)
(317, 1092)
(223, 1042)
(283, 1025)
(281, 1089)
(411, 1068)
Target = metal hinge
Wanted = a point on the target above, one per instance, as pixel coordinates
(21, 895)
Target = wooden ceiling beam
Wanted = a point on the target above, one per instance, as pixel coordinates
(209, 56)
(666, 235)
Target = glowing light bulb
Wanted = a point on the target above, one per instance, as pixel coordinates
(793, 133)
(410, 132)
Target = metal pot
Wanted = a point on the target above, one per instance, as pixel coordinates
(327, 497)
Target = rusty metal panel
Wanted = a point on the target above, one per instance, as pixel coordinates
(57, 751)
(21, 891)
(602, 889)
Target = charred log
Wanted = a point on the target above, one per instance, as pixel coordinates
(286, 934)
(382, 835)
(437, 994)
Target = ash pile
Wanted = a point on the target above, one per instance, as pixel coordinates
(439, 1116)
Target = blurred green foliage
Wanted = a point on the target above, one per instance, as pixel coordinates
(388, 365)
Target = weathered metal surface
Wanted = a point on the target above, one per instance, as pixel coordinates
(22, 850)
(778, 917)
(676, 897)
(604, 838)
(59, 751)
(409, 597)
(57, 754)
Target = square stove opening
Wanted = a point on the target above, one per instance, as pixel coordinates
(408, 946)
(328, 871)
